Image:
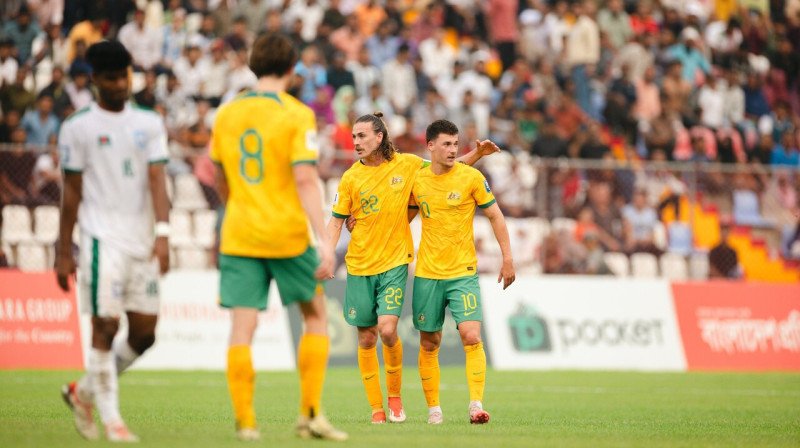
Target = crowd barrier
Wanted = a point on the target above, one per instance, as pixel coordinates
(539, 323)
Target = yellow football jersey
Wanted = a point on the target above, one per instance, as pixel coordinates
(447, 206)
(377, 196)
(257, 139)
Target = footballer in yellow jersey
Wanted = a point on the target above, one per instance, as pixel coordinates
(447, 194)
(264, 144)
(375, 192)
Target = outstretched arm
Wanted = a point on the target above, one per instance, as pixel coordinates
(482, 148)
(507, 275)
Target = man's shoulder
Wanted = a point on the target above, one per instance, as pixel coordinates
(77, 117)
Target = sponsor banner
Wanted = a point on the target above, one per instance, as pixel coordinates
(38, 322)
(739, 326)
(193, 330)
(344, 338)
(582, 323)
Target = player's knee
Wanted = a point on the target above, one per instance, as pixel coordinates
(471, 337)
(429, 345)
(388, 334)
(367, 339)
(142, 342)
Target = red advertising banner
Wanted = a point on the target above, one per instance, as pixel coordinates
(739, 326)
(39, 325)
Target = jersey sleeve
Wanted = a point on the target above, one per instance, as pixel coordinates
(157, 151)
(481, 192)
(342, 201)
(215, 153)
(305, 145)
(72, 154)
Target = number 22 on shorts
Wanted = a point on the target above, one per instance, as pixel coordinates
(394, 298)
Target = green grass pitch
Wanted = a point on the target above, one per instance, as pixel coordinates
(528, 409)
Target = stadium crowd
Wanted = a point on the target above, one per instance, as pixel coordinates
(702, 83)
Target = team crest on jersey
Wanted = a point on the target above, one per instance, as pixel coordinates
(453, 198)
(396, 183)
(140, 140)
(104, 140)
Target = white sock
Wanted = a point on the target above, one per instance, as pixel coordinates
(84, 388)
(434, 409)
(476, 403)
(103, 373)
(124, 354)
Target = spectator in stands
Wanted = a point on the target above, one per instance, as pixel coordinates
(733, 104)
(147, 96)
(383, 45)
(615, 21)
(313, 74)
(322, 105)
(375, 101)
(786, 152)
(10, 121)
(338, 75)
(79, 62)
(606, 214)
(239, 37)
(16, 171)
(755, 103)
(88, 31)
(503, 28)
(174, 39)
(594, 264)
(399, 81)
(78, 89)
(22, 31)
(676, 89)
(349, 40)
(370, 15)
(47, 12)
(192, 69)
(142, 41)
(16, 96)
(722, 259)
(438, 58)
(47, 178)
(8, 63)
(240, 76)
(648, 98)
(639, 221)
(583, 52)
(549, 144)
(711, 101)
(254, 12)
(216, 78)
(41, 125)
(689, 53)
(50, 49)
(364, 73)
(333, 16)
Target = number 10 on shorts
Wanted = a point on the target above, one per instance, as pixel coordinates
(470, 303)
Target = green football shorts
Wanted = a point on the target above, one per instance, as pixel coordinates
(244, 281)
(368, 296)
(462, 295)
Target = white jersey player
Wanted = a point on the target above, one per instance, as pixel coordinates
(113, 156)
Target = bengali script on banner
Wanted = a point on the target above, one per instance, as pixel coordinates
(739, 326)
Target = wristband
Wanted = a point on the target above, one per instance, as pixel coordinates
(162, 229)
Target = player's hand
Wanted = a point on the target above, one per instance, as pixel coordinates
(507, 275)
(161, 252)
(326, 260)
(486, 147)
(350, 223)
(65, 267)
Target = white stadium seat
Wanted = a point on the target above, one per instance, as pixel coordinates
(16, 224)
(698, 266)
(644, 265)
(188, 195)
(205, 222)
(191, 258)
(32, 257)
(618, 263)
(674, 267)
(46, 219)
(180, 228)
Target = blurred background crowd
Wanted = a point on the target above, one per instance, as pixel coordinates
(645, 128)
